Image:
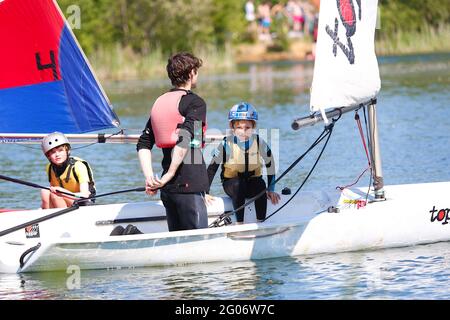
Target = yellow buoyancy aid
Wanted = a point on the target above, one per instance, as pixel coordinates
(77, 171)
(242, 162)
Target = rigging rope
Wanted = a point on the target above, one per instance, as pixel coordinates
(224, 218)
(369, 139)
(73, 148)
(308, 175)
(361, 133)
(105, 138)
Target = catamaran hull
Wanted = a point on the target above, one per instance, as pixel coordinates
(411, 215)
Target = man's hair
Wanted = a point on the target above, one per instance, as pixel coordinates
(179, 67)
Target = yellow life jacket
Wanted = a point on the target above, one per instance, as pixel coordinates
(242, 163)
(73, 176)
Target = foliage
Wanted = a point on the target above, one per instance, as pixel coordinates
(412, 15)
(132, 38)
(157, 24)
(173, 25)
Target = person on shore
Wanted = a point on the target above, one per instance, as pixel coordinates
(265, 20)
(250, 12)
(177, 125)
(250, 17)
(65, 174)
(241, 154)
(297, 16)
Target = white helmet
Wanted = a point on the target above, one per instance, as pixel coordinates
(53, 140)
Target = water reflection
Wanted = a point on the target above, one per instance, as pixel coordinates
(420, 272)
(24, 287)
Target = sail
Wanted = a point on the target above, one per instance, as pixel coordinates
(346, 68)
(46, 83)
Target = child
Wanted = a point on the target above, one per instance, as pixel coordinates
(240, 155)
(65, 173)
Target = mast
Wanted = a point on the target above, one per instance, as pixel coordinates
(374, 145)
(377, 173)
(346, 74)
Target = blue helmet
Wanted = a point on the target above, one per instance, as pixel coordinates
(243, 111)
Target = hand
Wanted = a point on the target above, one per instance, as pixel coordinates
(209, 200)
(151, 192)
(164, 179)
(57, 190)
(151, 186)
(151, 182)
(273, 196)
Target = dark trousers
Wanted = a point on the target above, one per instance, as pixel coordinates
(239, 189)
(185, 211)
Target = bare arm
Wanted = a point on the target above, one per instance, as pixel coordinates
(151, 182)
(144, 146)
(178, 155)
(145, 159)
(84, 190)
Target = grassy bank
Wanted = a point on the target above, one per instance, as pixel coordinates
(427, 41)
(118, 63)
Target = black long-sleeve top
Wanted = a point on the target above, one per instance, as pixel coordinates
(191, 175)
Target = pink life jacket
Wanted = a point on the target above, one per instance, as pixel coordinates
(166, 117)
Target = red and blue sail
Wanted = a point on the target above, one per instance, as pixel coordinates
(46, 83)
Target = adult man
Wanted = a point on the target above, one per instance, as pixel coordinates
(177, 123)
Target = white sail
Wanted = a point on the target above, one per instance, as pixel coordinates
(346, 68)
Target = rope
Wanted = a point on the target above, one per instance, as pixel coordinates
(361, 133)
(34, 185)
(76, 148)
(139, 189)
(225, 217)
(306, 178)
(105, 138)
(369, 139)
(75, 206)
(28, 251)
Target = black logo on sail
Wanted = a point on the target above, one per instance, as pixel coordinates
(347, 16)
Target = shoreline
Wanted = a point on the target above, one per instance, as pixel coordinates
(122, 64)
(163, 76)
(260, 52)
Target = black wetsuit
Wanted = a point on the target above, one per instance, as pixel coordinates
(245, 185)
(183, 195)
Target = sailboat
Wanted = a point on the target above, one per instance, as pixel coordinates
(346, 79)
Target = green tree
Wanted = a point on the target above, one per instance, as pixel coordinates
(174, 25)
(149, 24)
(98, 22)
(412, 15)
(228, 20)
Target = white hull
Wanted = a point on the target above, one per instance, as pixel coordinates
(303, 227)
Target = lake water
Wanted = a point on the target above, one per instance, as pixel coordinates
(414, 122)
